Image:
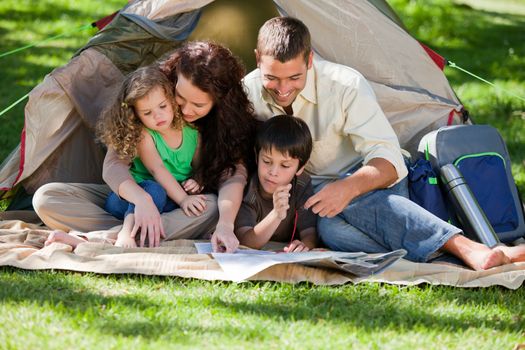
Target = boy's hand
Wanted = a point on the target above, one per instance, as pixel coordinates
(281, 198)
(295, 247)
(193, 205)
(191, 186)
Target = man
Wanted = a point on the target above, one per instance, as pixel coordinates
(362, 208)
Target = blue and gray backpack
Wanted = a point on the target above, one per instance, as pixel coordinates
(480, 154)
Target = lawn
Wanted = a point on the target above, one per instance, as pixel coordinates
(66, 310)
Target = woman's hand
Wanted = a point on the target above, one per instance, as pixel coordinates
(191, 186)
(193, 205)
(148, 221)
(229, 201)
(224, 240)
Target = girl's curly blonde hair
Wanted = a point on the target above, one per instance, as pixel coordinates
(120, 128)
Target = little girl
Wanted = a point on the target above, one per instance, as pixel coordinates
(144, 126)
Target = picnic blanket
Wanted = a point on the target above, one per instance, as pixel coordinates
(21, 246)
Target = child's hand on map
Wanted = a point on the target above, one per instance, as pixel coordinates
(296, 246)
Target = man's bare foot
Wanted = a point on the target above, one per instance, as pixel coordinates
(515, 254)
(486, 259)
(494, 258)
(62, 237)
(476, 255)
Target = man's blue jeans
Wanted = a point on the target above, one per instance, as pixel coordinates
(120, 208)
(385, 220)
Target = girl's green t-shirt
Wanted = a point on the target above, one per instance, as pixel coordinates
(176, 160)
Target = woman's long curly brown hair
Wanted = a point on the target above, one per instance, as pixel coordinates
(120, 128)
(228, 131)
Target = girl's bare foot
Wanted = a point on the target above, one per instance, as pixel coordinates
(125, 241)
(62, 237)
(124, 238)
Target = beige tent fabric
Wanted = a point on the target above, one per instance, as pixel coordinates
(356, 34)
(9, 169)
(412, 114)
(387, 56)
(21, 246)
(159, 9)
(59, 123)
(61, 113)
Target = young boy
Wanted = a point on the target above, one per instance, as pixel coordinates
(272, 208)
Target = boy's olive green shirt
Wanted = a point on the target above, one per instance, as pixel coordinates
(255, 208)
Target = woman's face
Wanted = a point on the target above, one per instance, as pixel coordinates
(193, 102)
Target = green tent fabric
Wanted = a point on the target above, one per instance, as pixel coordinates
(130, 40)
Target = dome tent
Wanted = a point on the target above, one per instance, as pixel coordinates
(58, 144)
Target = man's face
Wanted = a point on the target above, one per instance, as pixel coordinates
(284, 81)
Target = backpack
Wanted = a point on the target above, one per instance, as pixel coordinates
(480, 154)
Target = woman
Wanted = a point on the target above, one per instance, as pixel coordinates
(210, 95)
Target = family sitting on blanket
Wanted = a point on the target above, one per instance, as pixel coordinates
(364, 210)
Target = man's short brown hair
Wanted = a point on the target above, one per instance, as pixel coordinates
(284, 38)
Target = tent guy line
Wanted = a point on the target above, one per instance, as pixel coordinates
(453, 65)
(13, 104)
(85, 26)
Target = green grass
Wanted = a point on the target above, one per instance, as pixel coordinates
(86, 311)
(64, 310)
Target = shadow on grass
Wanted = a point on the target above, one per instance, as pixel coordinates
(58, 288)
(111, 311)
(373, 311)
(370, 307)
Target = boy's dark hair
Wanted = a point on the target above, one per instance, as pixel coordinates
(284, 38)
(288, 135)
